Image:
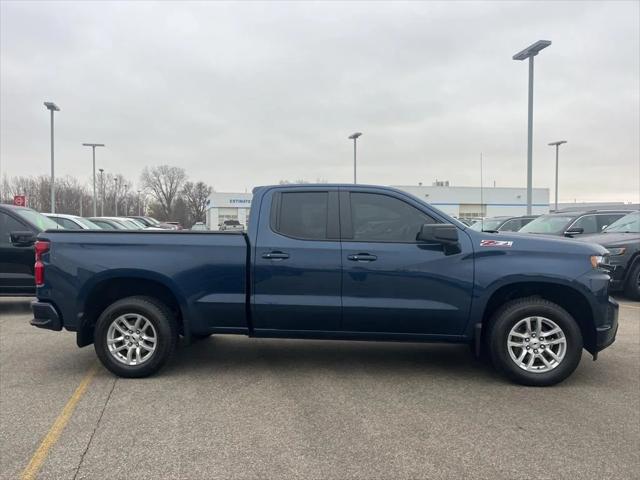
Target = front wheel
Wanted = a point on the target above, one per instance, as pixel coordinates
(135, 336)
(632, 287)
(535, 342)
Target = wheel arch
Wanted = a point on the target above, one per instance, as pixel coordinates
(117, 284)
(565, 295)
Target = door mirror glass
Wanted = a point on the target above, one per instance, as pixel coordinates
(574, 231)
(23, 239)
(444, 233)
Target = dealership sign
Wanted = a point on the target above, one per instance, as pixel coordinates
(20, 200)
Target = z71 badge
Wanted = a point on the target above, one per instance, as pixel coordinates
(496, 243)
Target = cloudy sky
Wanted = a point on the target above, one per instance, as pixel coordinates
(242, 94)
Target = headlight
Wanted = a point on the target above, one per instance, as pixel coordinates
(616, 251)
(599, 261)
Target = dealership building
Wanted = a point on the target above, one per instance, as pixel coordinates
(462, 202)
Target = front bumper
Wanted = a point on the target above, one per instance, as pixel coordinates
(606, 333)
(45, 316)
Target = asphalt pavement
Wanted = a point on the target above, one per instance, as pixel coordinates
(232, 407)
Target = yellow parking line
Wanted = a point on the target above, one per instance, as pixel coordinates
(56, 429)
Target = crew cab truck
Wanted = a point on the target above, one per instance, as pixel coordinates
(330, 262)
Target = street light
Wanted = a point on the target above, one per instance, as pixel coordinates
(52, 107)
(93, 148)
(557, 144)
(530, 52)
(139, 210)
(102, 192)
(354, 137)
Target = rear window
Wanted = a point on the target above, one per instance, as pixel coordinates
(37, 219)
(303, 215)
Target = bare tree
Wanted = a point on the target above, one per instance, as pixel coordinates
(196, 196)
(164, 183)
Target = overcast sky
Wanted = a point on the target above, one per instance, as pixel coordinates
(243, 94)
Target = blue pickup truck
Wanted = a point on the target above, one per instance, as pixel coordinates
(330, 262)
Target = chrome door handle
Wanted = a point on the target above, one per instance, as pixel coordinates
(362, 257)
(275, 255)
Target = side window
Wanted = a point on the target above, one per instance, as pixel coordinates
(7, 225)
(512, 225)
(381, 218)
(588, 223)
(303, 215)
(607, 219)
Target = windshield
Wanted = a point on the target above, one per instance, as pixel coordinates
(551, 224)
(136, 222)
(627, 224)
(37, 219)
(488, 225)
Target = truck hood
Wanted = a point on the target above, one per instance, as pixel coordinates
(535, 242)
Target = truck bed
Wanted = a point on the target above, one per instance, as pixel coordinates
(205, 273)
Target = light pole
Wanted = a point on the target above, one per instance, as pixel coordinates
(115, 196)
(354, 137)
(52, 107)
(557, 144)
(139, 210)
(93, 148)
(530, 52)
(102, 192)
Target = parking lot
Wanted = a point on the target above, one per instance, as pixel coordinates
(232, 407)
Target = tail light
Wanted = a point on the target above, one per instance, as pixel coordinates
(41, 246)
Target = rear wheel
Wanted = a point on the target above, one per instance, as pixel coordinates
(535, 342)
(135, 336)
(632, 286)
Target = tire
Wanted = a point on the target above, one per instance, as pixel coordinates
(632, 285)
(158, 332)
(509, 324)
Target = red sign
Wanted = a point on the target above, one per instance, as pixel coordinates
(20, 200)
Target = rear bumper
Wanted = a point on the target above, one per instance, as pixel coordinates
(45, 316)
(606, 333)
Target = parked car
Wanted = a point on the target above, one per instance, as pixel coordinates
(151, 222)
(199, 226)
(502, 224)
(573, 223)
(107, 223)
(72, 222)
(18, 229)
(174, 225)
(231, 226)
(622, 240)
(331, 262)
(128, 223)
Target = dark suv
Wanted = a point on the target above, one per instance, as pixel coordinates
(572, 223)
(18, 229)
(622, 239)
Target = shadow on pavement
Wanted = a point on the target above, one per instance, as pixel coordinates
(309, 356)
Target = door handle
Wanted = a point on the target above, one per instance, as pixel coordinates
(275, 255)
(362, 257)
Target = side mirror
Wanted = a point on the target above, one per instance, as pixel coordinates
(444, 233)
(574, 231)
(22, 239)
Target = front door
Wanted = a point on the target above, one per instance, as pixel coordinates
(297, 262)
(392, 283)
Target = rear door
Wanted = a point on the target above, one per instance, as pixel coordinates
(392, 283)
(297, 265)
(16, 263)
